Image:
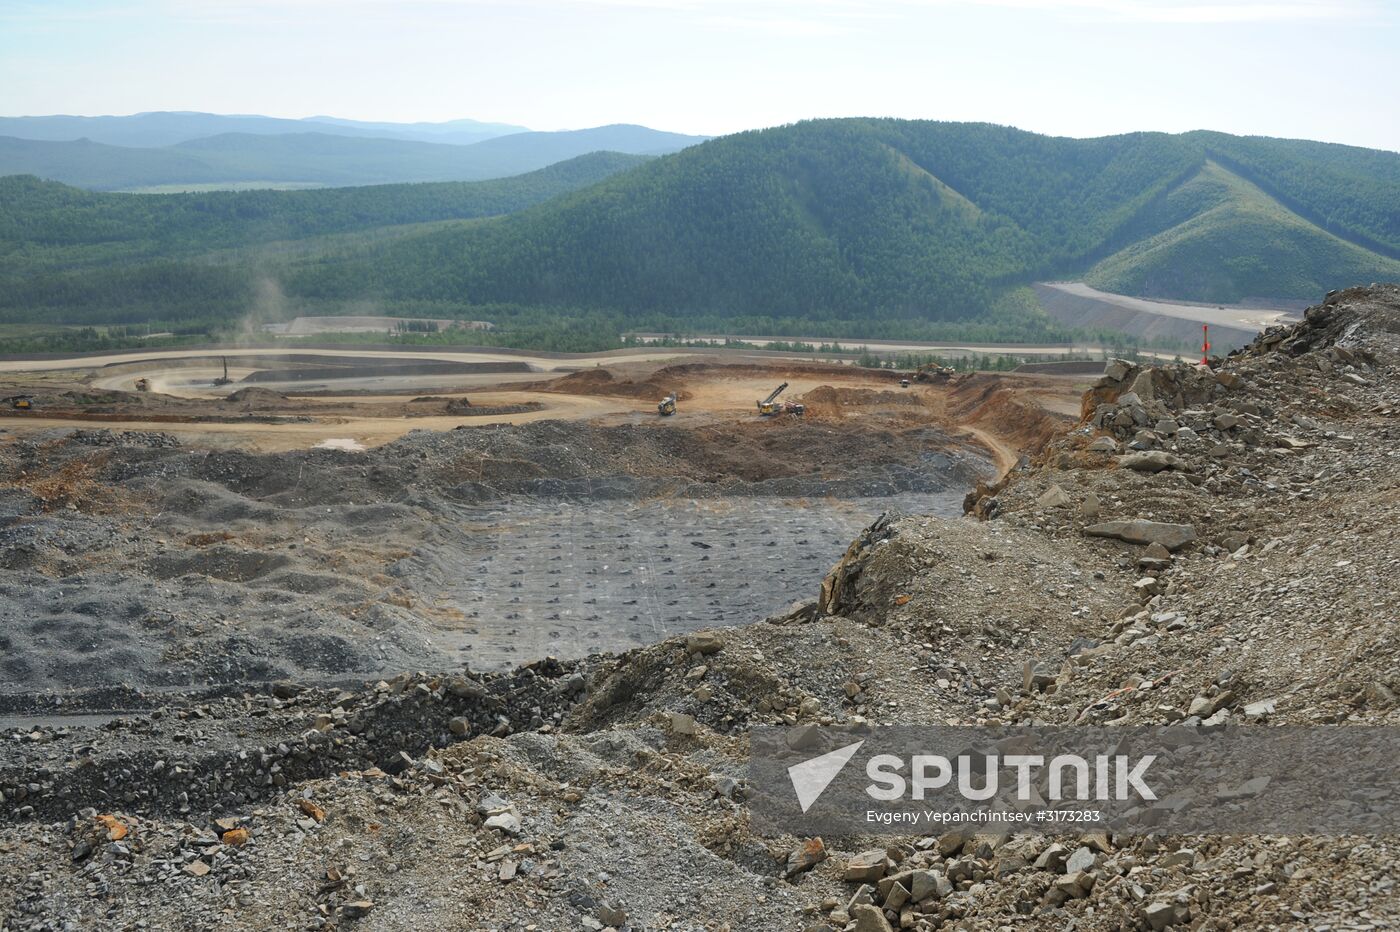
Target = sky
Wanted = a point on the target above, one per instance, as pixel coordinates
(1314, 69)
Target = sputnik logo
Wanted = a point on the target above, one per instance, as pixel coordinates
(811, 777)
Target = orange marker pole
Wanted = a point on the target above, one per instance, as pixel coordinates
(1205, 344)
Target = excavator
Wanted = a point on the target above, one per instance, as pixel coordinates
(771, 405)
(932, 372)
(667, 406)
(225, 380)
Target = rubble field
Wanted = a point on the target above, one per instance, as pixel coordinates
(1204, 546)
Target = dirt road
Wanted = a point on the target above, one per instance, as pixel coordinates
(261, 418)
(365, 431)
(1004, 455)
(542, 363)
(940, 348)
(1245, 318)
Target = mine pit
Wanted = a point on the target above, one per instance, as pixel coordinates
(265, 530)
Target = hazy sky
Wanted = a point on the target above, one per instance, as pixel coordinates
(1318, 69)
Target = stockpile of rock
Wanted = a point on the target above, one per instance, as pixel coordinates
(1249, 511)
(962, 880)
(125, 438)
(186, 760)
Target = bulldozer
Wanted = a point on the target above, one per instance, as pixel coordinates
(667, 406)
(771, 405)
(20, 402)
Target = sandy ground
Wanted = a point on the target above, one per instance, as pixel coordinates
(738, 395)
(946, 349)
(713, 395)
(716, 393)
(542, 363)
(366, 431)
(1249, 318)
(198, 382)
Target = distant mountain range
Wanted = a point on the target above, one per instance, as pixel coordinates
(166, 151)
(855, 227)
(457, 132)
(168, 128)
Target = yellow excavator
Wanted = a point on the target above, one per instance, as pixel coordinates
(932, 372)
(771, 405)
(667, 406)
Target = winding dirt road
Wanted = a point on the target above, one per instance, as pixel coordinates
(366, 409)
(364, 431)
(540, 363)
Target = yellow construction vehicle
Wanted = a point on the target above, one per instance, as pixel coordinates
(932, 372)
(667, 406)
(21, 402)
(771, 405)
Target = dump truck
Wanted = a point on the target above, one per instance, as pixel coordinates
(667, 406)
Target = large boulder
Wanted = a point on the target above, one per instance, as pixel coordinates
(1154, 461)
(1141, 531)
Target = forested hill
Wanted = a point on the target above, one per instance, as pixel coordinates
(57, 221)
(1350, 191)
(81, 257)
(858, 226)
(886, 218)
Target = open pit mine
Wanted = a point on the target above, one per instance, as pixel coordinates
(437, 640)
